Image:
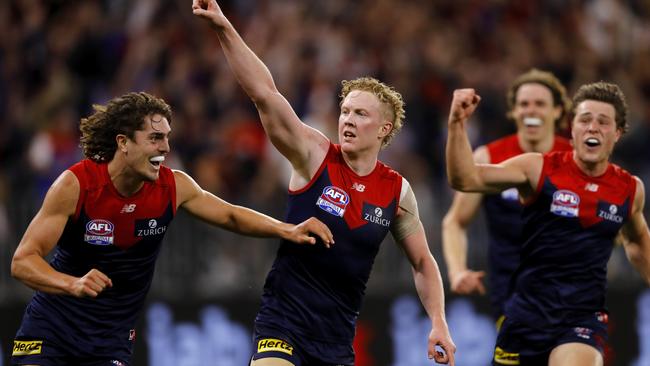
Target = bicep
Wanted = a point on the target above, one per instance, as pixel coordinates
(635, 231)
(304, 146)
(521, 171)
(46, 227)
(463, 208)
(200, 203)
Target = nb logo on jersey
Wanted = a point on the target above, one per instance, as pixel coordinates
(128, 208)
(358, 187)
(591, 187)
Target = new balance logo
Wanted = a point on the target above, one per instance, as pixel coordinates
(128, 208)
(591, 187)
(358, 187)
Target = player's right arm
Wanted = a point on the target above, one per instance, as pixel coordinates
(462, 211)
(522, 171)
(303, 146)
(28, 264)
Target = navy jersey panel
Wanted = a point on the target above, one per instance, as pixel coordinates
(503, 213)
(570, 229)
(120, 237)
(316, 292)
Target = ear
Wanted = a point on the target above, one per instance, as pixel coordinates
(121, 142)
(385, 129)
(619, 133)
(557, 112)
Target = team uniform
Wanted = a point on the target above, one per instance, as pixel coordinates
(503, 214)
(559, 288)
(312, 295)
(120, 237)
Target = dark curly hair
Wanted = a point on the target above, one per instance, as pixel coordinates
(547, 79)
(122, 115)
(606, 93)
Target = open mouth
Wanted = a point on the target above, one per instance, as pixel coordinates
(349, 134)
(157, 160)
(592, 142)
(532, 122)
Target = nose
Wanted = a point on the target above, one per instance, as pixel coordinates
(163, 147)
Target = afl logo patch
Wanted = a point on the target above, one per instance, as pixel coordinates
(565, 203)
(333, 200)
(99, 232)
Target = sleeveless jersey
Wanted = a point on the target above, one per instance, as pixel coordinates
(503, 215)
(569, 229)
(315, 292)
(120, 237)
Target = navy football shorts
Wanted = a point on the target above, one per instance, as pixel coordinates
(273, 342)
(519, 344)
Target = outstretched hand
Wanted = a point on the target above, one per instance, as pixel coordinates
(439, 336)
(210, 11)
(468, 282)
(307, 231)
(463, 105)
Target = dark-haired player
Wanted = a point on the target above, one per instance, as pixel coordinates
(576, 204)
(538, 104)
(107, 216)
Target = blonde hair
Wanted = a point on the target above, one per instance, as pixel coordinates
(387, 96)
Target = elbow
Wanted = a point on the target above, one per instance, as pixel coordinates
(17, 267)
(460, 184)
(262, 95)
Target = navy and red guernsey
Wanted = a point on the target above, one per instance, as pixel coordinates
(503, 214)
(313, 292)
(120, 237)
(570, 228)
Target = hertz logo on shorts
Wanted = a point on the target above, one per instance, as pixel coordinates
(270, 344)
(24, 348)
(505, 358)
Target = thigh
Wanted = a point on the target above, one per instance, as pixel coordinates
(575, 354)
(271, 361)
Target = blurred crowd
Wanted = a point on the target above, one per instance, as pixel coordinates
(57, 58)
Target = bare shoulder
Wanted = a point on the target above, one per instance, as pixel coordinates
(639, 195)
(63, 195)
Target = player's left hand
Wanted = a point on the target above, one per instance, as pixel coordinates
(307, 231)
(439, 336)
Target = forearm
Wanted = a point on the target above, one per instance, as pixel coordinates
(461, 170)
(428, 284)
(245, 221)
(251, 73)
(454, 245)
(35, 272)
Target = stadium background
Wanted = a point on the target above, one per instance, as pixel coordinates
(59, 57)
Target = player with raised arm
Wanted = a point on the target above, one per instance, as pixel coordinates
(576, 204)
(537, 104)
(312, 298)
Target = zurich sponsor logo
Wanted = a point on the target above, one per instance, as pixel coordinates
(611, 214)
(375, 215)
(333, 200)
(99, 232)
(565, 203)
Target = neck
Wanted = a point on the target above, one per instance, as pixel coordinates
(361, 164)
(595, 169)
(126, 184)
(541, 146)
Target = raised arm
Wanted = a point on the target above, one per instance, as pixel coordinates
(636, 237)
(465, 175)
(409, 234)
(302, 145)
(28, 264)
(213, 210)
(462, 211)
